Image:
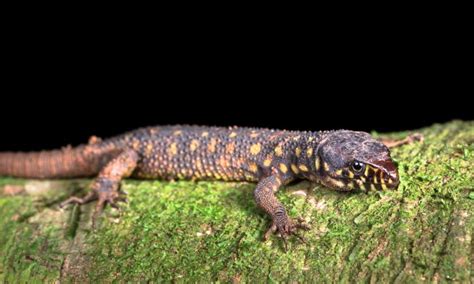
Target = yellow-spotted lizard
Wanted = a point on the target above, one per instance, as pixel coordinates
(343, 160)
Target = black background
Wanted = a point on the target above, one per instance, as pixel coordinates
(59, 90)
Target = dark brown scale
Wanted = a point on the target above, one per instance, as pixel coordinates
(270, 157)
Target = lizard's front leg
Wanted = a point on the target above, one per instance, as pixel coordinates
(281, 222)
(105, 187)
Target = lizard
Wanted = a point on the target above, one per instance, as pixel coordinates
(343, 160)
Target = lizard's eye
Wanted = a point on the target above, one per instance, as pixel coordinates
(358, 166)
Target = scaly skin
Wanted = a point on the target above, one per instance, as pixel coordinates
(343, 160)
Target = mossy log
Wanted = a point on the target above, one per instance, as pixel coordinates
(199, 231)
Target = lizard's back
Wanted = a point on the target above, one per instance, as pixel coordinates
(168, 152)
(195, 152)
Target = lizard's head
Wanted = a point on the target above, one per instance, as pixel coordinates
(354, 160)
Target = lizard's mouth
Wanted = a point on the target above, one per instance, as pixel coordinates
(382, 173)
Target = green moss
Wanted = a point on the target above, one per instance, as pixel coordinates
(193, 232)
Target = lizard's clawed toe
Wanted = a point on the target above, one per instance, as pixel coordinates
(285, 228)
(272, 229)
(76, 200)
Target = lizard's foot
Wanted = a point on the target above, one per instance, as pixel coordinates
(415, 137)
(286, 227)
(107, 197)
(106, 187)
(103, 197)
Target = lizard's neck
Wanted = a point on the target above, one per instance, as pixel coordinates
(306, 155)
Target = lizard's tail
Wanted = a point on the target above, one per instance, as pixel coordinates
(64, 163)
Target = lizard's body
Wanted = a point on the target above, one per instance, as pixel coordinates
(342, 160)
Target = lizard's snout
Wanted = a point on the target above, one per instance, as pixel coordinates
(388, 174)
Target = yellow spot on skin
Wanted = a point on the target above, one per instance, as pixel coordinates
(350, 185)
(390, 181)
(194, 145)
(211, 147)
(366, 173)
(317, 163)
(326, 166)
(278, 151)
(255, 149)
(298, 151)
(253, 167)
(376, 173)
(229, 148)
(283, 168)
(296, 138)
(177, 132)
(136, 144)
(232, 135)
(339, 172)
(309, 152)
(294, 168)
(337, 183)
(363, 179)
(205, 134)
(303, 168)
(384, 187)
(310, 139)
(351, 174)
(223, 162)
(249, 176)
(372, 187)
(267, 162)
(376, 181)
(361, 185)
(173, 149)
(198, 165)
(149, 149)
(254, 134)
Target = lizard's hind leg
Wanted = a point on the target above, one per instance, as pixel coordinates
(105, 187)
(391, 143)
